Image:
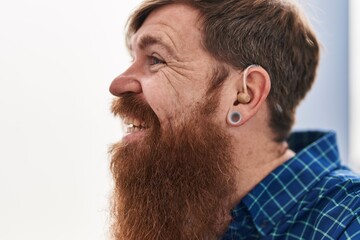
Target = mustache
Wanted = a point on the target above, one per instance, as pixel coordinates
(130, 105)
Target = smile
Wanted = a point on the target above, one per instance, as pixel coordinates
(133, 125)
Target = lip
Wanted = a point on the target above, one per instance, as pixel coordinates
(134, 136)
(132, 132)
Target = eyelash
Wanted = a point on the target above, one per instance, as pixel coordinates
(155, 61)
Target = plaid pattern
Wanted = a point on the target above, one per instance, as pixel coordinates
(311, 196)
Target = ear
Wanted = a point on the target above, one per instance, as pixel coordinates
(254, 81)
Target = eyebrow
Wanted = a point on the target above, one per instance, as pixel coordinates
(148, 41)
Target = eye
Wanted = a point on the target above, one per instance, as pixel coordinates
(155, 60)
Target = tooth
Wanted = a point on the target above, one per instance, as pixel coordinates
(136, 122)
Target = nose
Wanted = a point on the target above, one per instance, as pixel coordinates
(125, 83)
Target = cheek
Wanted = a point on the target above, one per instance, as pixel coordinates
(172, 98)
(224, 108)
(162, 99)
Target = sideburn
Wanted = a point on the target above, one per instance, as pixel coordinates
(174, 185)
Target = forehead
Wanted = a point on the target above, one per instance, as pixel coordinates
(177, 25)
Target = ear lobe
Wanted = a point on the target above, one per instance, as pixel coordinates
(234, 118)
(253, 92)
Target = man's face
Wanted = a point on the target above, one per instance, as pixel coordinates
(170, 71)
(173, 172)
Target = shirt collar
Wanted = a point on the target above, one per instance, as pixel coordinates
(316, 155)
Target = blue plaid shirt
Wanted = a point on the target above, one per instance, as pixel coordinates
(311, 196)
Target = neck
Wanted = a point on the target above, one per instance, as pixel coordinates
(259, 159)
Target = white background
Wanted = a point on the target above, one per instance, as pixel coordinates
(57, 59)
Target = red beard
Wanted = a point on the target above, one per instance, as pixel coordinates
(173, 183)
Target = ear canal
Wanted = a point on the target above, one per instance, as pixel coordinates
(243, 98)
